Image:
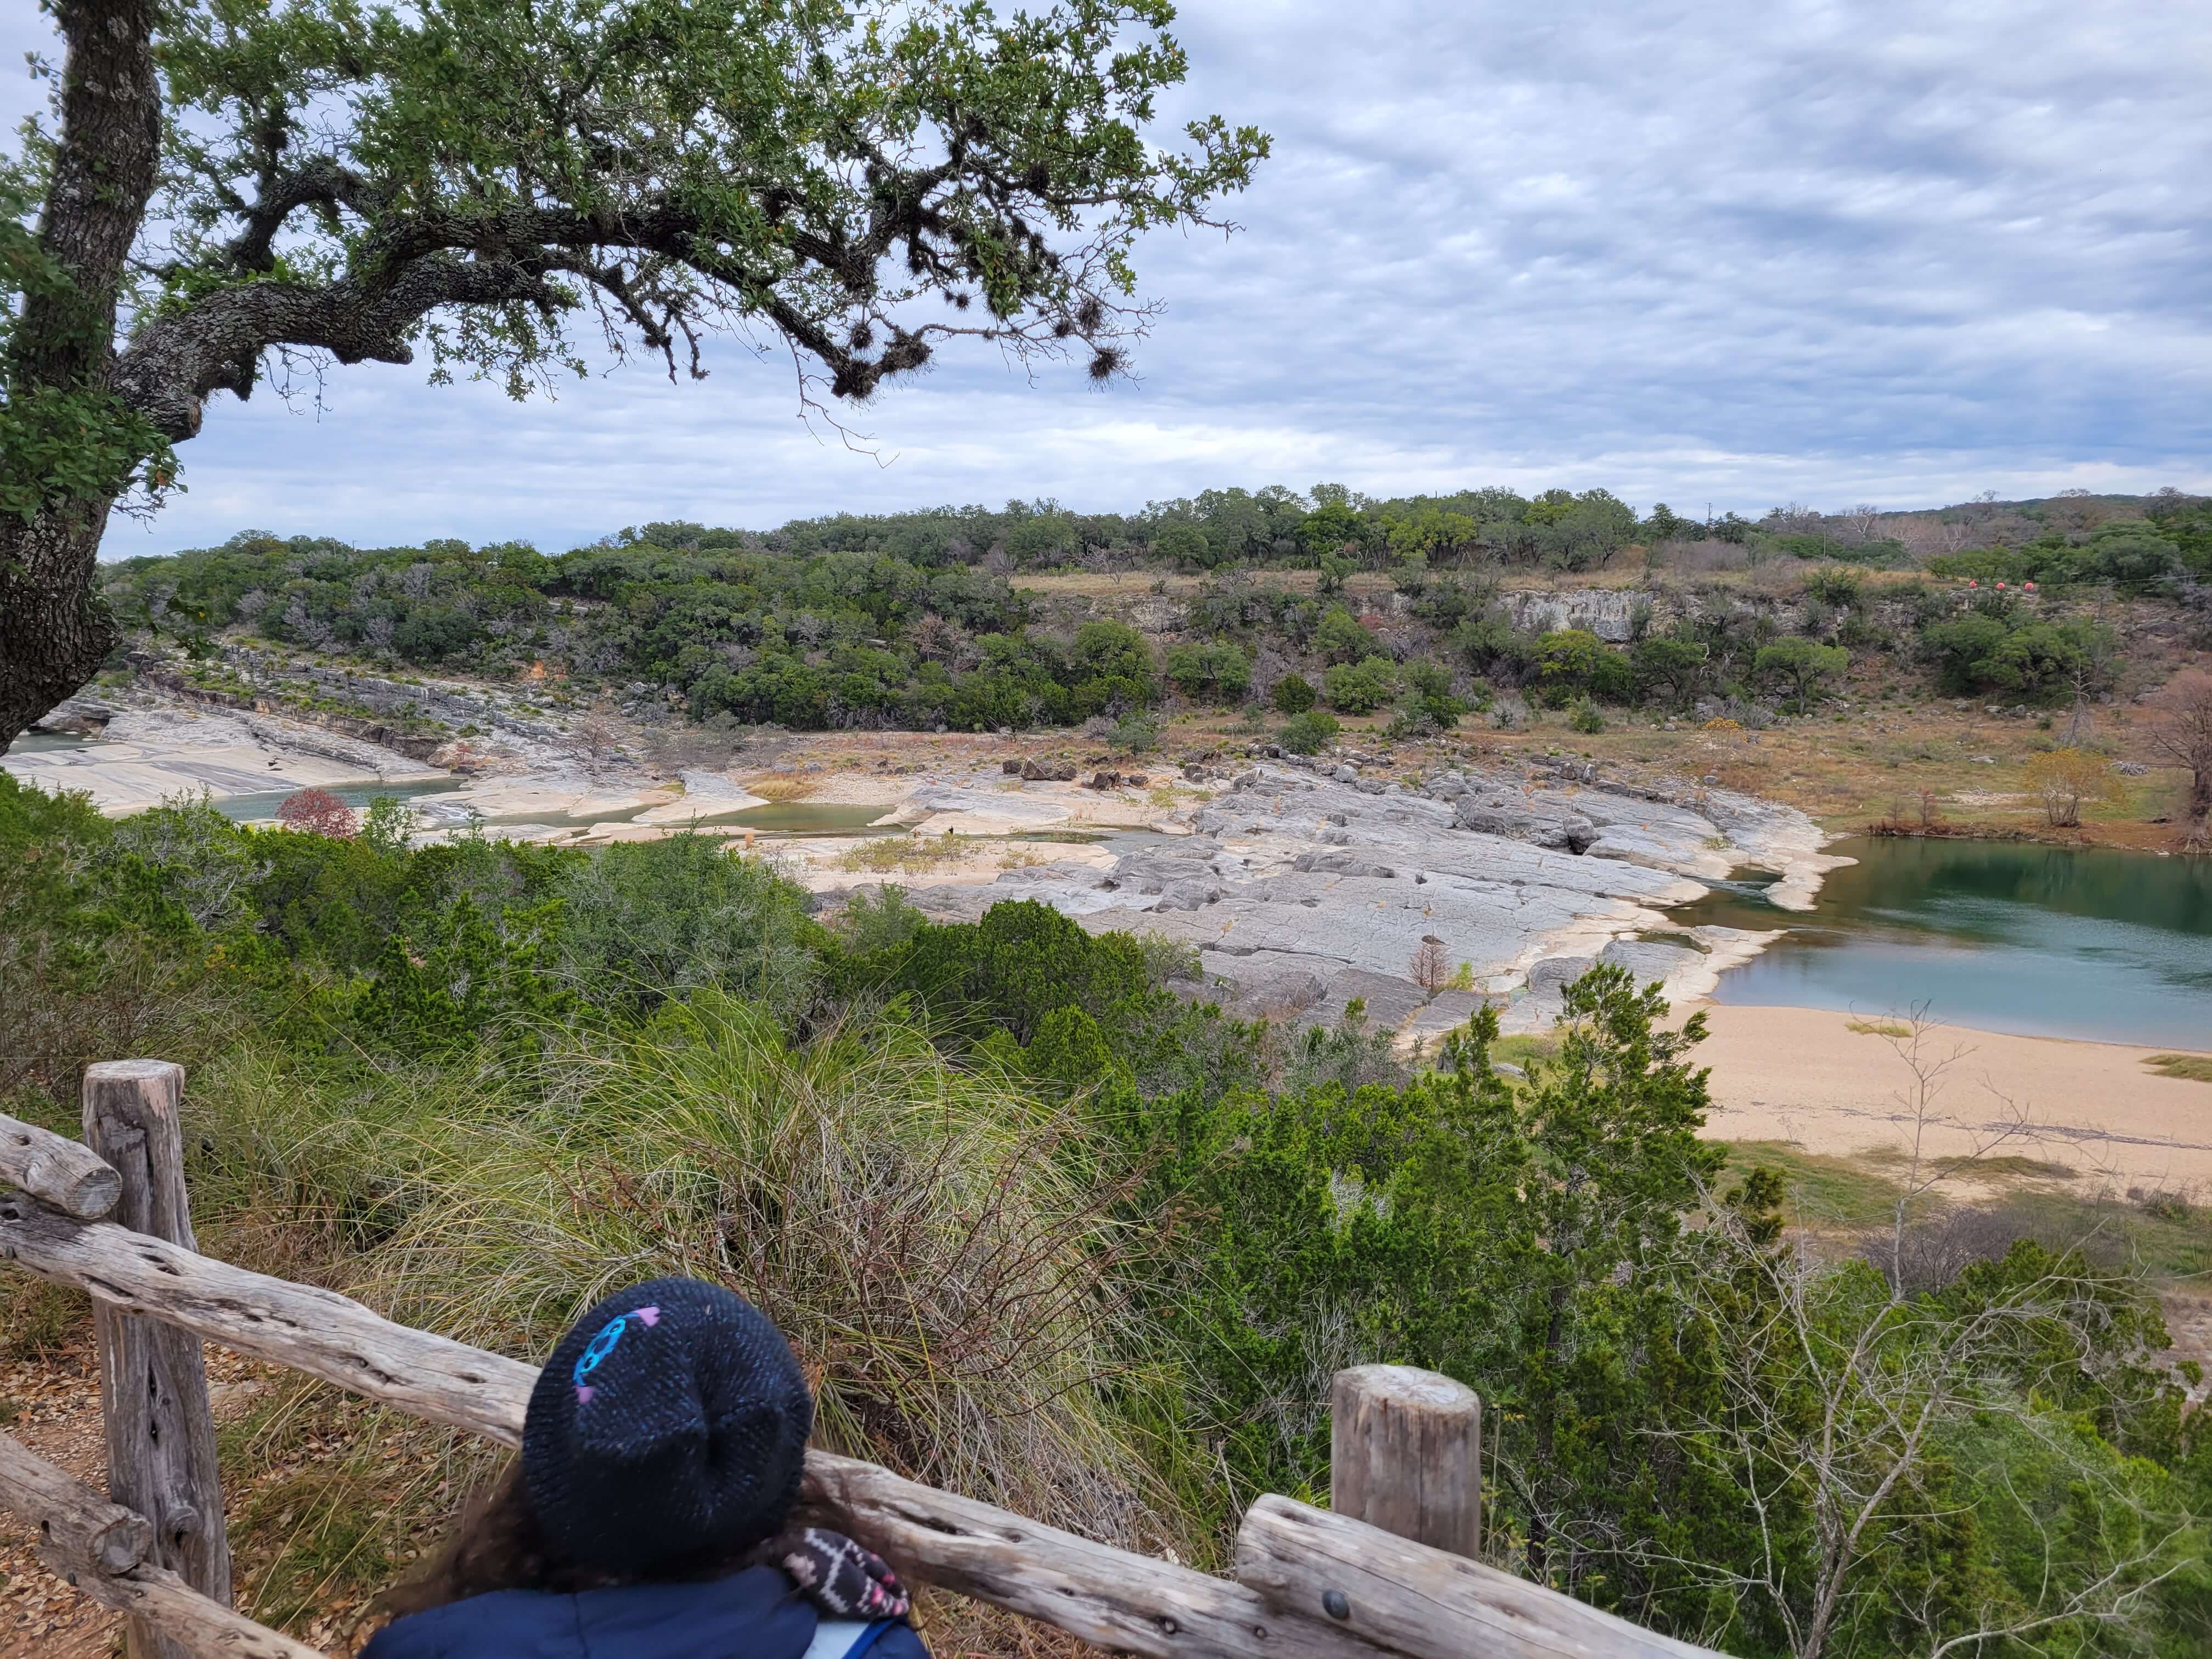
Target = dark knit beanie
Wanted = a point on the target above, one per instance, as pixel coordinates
(670, 1423)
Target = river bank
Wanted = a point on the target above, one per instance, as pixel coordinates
(1842, 1085)
(1299, 886)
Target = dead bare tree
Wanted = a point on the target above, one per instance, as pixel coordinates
(1861, 522)
(1929, 1059)
(1842, 1386)
(1838, 1401)
(1431, 967)
(2184, 735)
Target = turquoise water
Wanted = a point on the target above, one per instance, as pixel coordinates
(2043, 941)
(802, 818)
(262, 805)
(32, 743)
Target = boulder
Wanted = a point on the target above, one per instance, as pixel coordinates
(1516, 820)
(1390, 1001)
(1554, 975)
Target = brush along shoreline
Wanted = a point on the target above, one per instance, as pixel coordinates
(1299, 886)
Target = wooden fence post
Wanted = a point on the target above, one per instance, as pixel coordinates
(160, 1434)
(1406, 1454)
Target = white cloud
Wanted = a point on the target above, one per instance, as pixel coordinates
(1890, 251)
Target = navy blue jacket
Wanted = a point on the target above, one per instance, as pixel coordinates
(753, 1615)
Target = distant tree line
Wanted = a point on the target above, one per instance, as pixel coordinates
(911, 620)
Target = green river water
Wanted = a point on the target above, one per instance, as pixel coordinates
(2000, 936)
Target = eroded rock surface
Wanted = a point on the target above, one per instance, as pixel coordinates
(1302, 888)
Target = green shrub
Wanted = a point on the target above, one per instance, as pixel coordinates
(1021, 962)
(1584, 718)
(1669, 667)
(1361, 688)
(2023, 656)
(1492, 647)
(1573, 662)
(1309, 733)
(1218, 673)
(1800, 663)
(642, 921)
(1292, 695)
(1134, 733)
(1341, 639)
(1834, 587)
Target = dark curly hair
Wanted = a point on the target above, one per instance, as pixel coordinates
(500, 1546)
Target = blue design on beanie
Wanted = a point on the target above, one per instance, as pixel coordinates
(669, 1426)
(603, 1345)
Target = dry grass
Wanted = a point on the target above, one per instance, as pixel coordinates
(2196, 1068)
(958, 1293)
(783, 786)
(882, 855)
(1988, 1167)
(1881, 1028)
(1849, 774)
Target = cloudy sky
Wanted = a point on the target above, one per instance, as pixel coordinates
(1890, 252)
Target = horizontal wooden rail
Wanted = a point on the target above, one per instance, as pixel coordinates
(1115, 1598)
(101, 1549)
(1310, 1585)
(64, 1173)
(1427, 1602)
(70, 1515)
(315, 1331)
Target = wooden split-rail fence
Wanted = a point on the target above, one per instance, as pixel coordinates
(1386, 1571)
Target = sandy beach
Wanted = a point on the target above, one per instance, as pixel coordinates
(1804, 1075)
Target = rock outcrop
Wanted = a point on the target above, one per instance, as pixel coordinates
(1301, 889)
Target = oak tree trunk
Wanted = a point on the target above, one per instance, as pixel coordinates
(54, 632)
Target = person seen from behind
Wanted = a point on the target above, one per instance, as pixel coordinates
(649, 1517)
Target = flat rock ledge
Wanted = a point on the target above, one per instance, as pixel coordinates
(1301, 889)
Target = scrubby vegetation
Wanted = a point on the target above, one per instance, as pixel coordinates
(1404, 611)
(1049, 1228)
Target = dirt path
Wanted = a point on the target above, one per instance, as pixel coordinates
(52, 1407)
(50, 1403)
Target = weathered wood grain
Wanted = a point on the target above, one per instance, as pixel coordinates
(70, 1515)
(189, 1622)
(315, 1331)
(1405, 1455)
(101, 1548)
(64, 1173)
(1113, 1598)
(1426, 1603)
(161, 1433)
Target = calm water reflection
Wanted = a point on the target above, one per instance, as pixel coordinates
(2044, 941)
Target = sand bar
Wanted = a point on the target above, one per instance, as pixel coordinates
(1804, 1075)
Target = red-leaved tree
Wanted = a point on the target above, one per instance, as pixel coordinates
(318, 813)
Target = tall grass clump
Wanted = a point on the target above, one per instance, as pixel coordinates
(925, 1235)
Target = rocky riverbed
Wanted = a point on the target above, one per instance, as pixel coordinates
(1298, 886)
(1301, 887)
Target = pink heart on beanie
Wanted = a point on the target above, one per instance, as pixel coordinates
(584, 1396)
(650, 1315)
